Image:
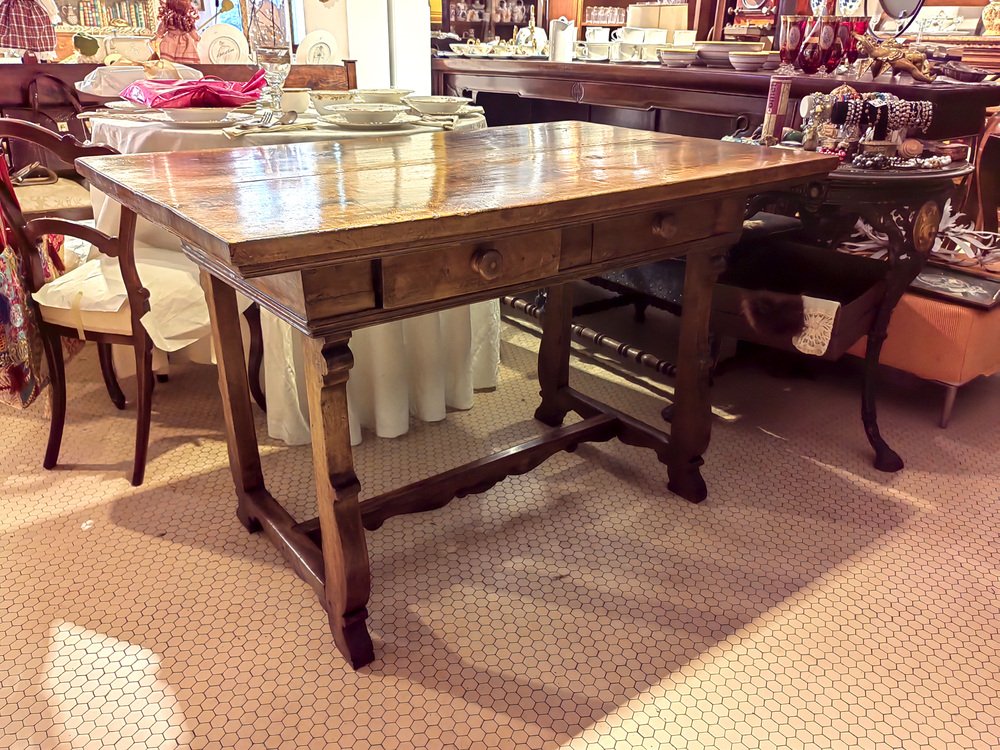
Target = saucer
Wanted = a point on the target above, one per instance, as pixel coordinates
(402, 121)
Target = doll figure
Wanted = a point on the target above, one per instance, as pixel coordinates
(176, 33)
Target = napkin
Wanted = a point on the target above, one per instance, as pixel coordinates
(206, 92)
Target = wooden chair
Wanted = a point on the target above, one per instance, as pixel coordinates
(104, 328)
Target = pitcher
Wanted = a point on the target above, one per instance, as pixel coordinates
(562, 40)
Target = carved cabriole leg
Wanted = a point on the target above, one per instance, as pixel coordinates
(691, 421)
(345, 553)
(908, 251)
(553, 354)
(244, 458)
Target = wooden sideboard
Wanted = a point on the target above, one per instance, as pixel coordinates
(14, 78)
(687, 101)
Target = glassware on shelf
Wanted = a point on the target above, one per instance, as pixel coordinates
(857, 25)
(832, 43)
(270, 42)
(793, 29)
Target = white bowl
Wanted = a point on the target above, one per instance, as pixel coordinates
(773, 60)
(323, 100)
(197, 114)
(437, 105)
(360, 113)
(716, 54)
(748, 62)
(678, 58)
(380, 96)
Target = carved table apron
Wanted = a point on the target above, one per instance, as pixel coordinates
(335, 237)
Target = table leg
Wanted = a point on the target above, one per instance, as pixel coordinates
(345, 552)
(553, 355)
(244, 458)
(691, 423)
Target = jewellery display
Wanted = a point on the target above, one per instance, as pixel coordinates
(881, 161)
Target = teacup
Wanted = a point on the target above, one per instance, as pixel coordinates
(684, 38)
(596, 51)
(629, 34)
(655, 36)
(625, 51)
(294, 100)
(598, 34)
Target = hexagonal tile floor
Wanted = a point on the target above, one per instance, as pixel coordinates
(810, 602)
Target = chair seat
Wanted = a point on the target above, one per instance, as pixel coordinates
(93, 297)
(64, 197)
(119, 321)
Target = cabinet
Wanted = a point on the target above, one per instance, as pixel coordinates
(486, 19)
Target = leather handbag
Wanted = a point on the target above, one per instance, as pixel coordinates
(55, 105)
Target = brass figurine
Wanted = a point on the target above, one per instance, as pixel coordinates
(899, 58)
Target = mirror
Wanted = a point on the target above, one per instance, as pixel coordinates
(903, 12)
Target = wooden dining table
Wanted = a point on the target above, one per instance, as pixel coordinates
(333, 237)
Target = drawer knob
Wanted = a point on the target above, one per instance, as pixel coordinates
(665, 226)
(488, 264)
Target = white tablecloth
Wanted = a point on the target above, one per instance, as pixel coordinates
(420, 366)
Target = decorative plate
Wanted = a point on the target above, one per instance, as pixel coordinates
(318, 48)
(223, 44)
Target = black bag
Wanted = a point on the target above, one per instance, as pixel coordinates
(55, 105)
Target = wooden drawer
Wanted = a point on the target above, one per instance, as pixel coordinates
(638, 233)
(454, 270)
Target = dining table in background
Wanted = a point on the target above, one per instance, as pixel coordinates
(426, 223)
(421, 366)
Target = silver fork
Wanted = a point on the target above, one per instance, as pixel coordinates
(264, 121)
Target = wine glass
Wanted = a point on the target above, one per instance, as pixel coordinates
(858, 25)
(792, 31)
(269, 39)
(835, 49)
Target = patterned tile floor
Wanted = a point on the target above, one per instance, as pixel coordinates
(811, 602)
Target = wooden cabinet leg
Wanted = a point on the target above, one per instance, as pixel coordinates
(345, 552)
(691, 421)
(553, 354)
(244, 458)
(950, 392)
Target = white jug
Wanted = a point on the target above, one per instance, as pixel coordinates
(562, 40)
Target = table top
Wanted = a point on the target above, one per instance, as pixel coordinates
(278, 208)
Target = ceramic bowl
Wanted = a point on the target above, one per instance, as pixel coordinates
(716, 54)
(323, 100)
(437, 105)
(773, 60)
(360, 113)
(380, 96)
(748, 61)
(678, 57)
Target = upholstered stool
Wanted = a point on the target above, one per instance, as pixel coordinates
(942, 341)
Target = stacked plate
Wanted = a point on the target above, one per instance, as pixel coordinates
(362, 116)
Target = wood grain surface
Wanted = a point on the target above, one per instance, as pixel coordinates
(278, 208)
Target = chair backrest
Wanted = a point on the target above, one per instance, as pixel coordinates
(25, 235)
(66, 147)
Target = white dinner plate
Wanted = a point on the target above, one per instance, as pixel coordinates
(228, 122)
(402, 121)
(318, 48)
(123, 104)
(196, 114)
(223, 44)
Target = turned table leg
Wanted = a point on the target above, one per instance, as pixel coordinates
(244, 458)
(345, 552)
(691, 420)
(553, 354)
